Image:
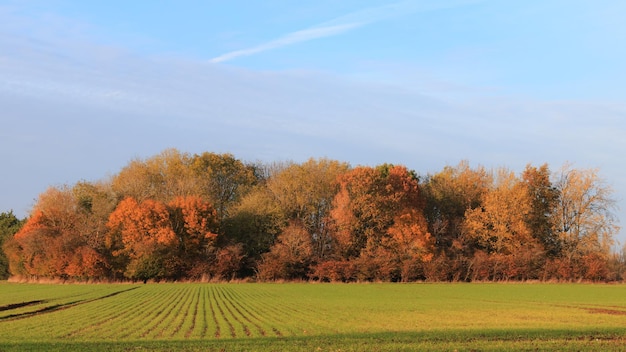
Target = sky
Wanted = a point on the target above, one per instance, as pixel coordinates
(87, 86)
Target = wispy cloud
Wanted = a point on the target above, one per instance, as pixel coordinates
(343, 24)
(291, 38)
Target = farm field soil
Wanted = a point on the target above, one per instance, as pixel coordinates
(308, 317)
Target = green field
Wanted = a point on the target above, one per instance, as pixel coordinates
(312, 317)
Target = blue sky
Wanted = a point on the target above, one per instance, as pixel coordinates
(86, 86)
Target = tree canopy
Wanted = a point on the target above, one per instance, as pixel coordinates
(177, 216)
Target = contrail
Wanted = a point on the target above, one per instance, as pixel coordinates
(343, 24)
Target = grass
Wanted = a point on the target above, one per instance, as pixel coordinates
(309, 317)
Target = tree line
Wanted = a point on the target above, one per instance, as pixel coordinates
(178, 216)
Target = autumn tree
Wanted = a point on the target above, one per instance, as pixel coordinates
(255, 223)
(617, 265)
(500, 229)
(94, 203)
(162, 177)
(304, 193)
(584, 216)
(410, 243)
(56, 241)
(378, 213)
(223, 180)
(449, 194)
(141, 236)
(499, 225)
(227, 261)
(153, 240)
(543, 197)
(360, 213)
(194, 223)
(290, 257)
(24, 251)
(583, 219)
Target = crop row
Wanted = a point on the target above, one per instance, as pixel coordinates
(167, 311)
(201, 312)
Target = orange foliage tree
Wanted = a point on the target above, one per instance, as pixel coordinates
(140, 236)
(158, 241)
(194, 222)
(290, 257)
(379, 223)
(56, 241)
(449, 194)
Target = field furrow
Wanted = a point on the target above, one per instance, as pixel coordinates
(197, 325)
(221, 314)
(155, 325)
(213, 313)
(261, 305)
(184, 318)
(287, 322)
(250, 309)
(73, 314)
(228, 305)
(243, 312)
(292, 314)
(113, 323)
(146, 316)
(101, 313)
